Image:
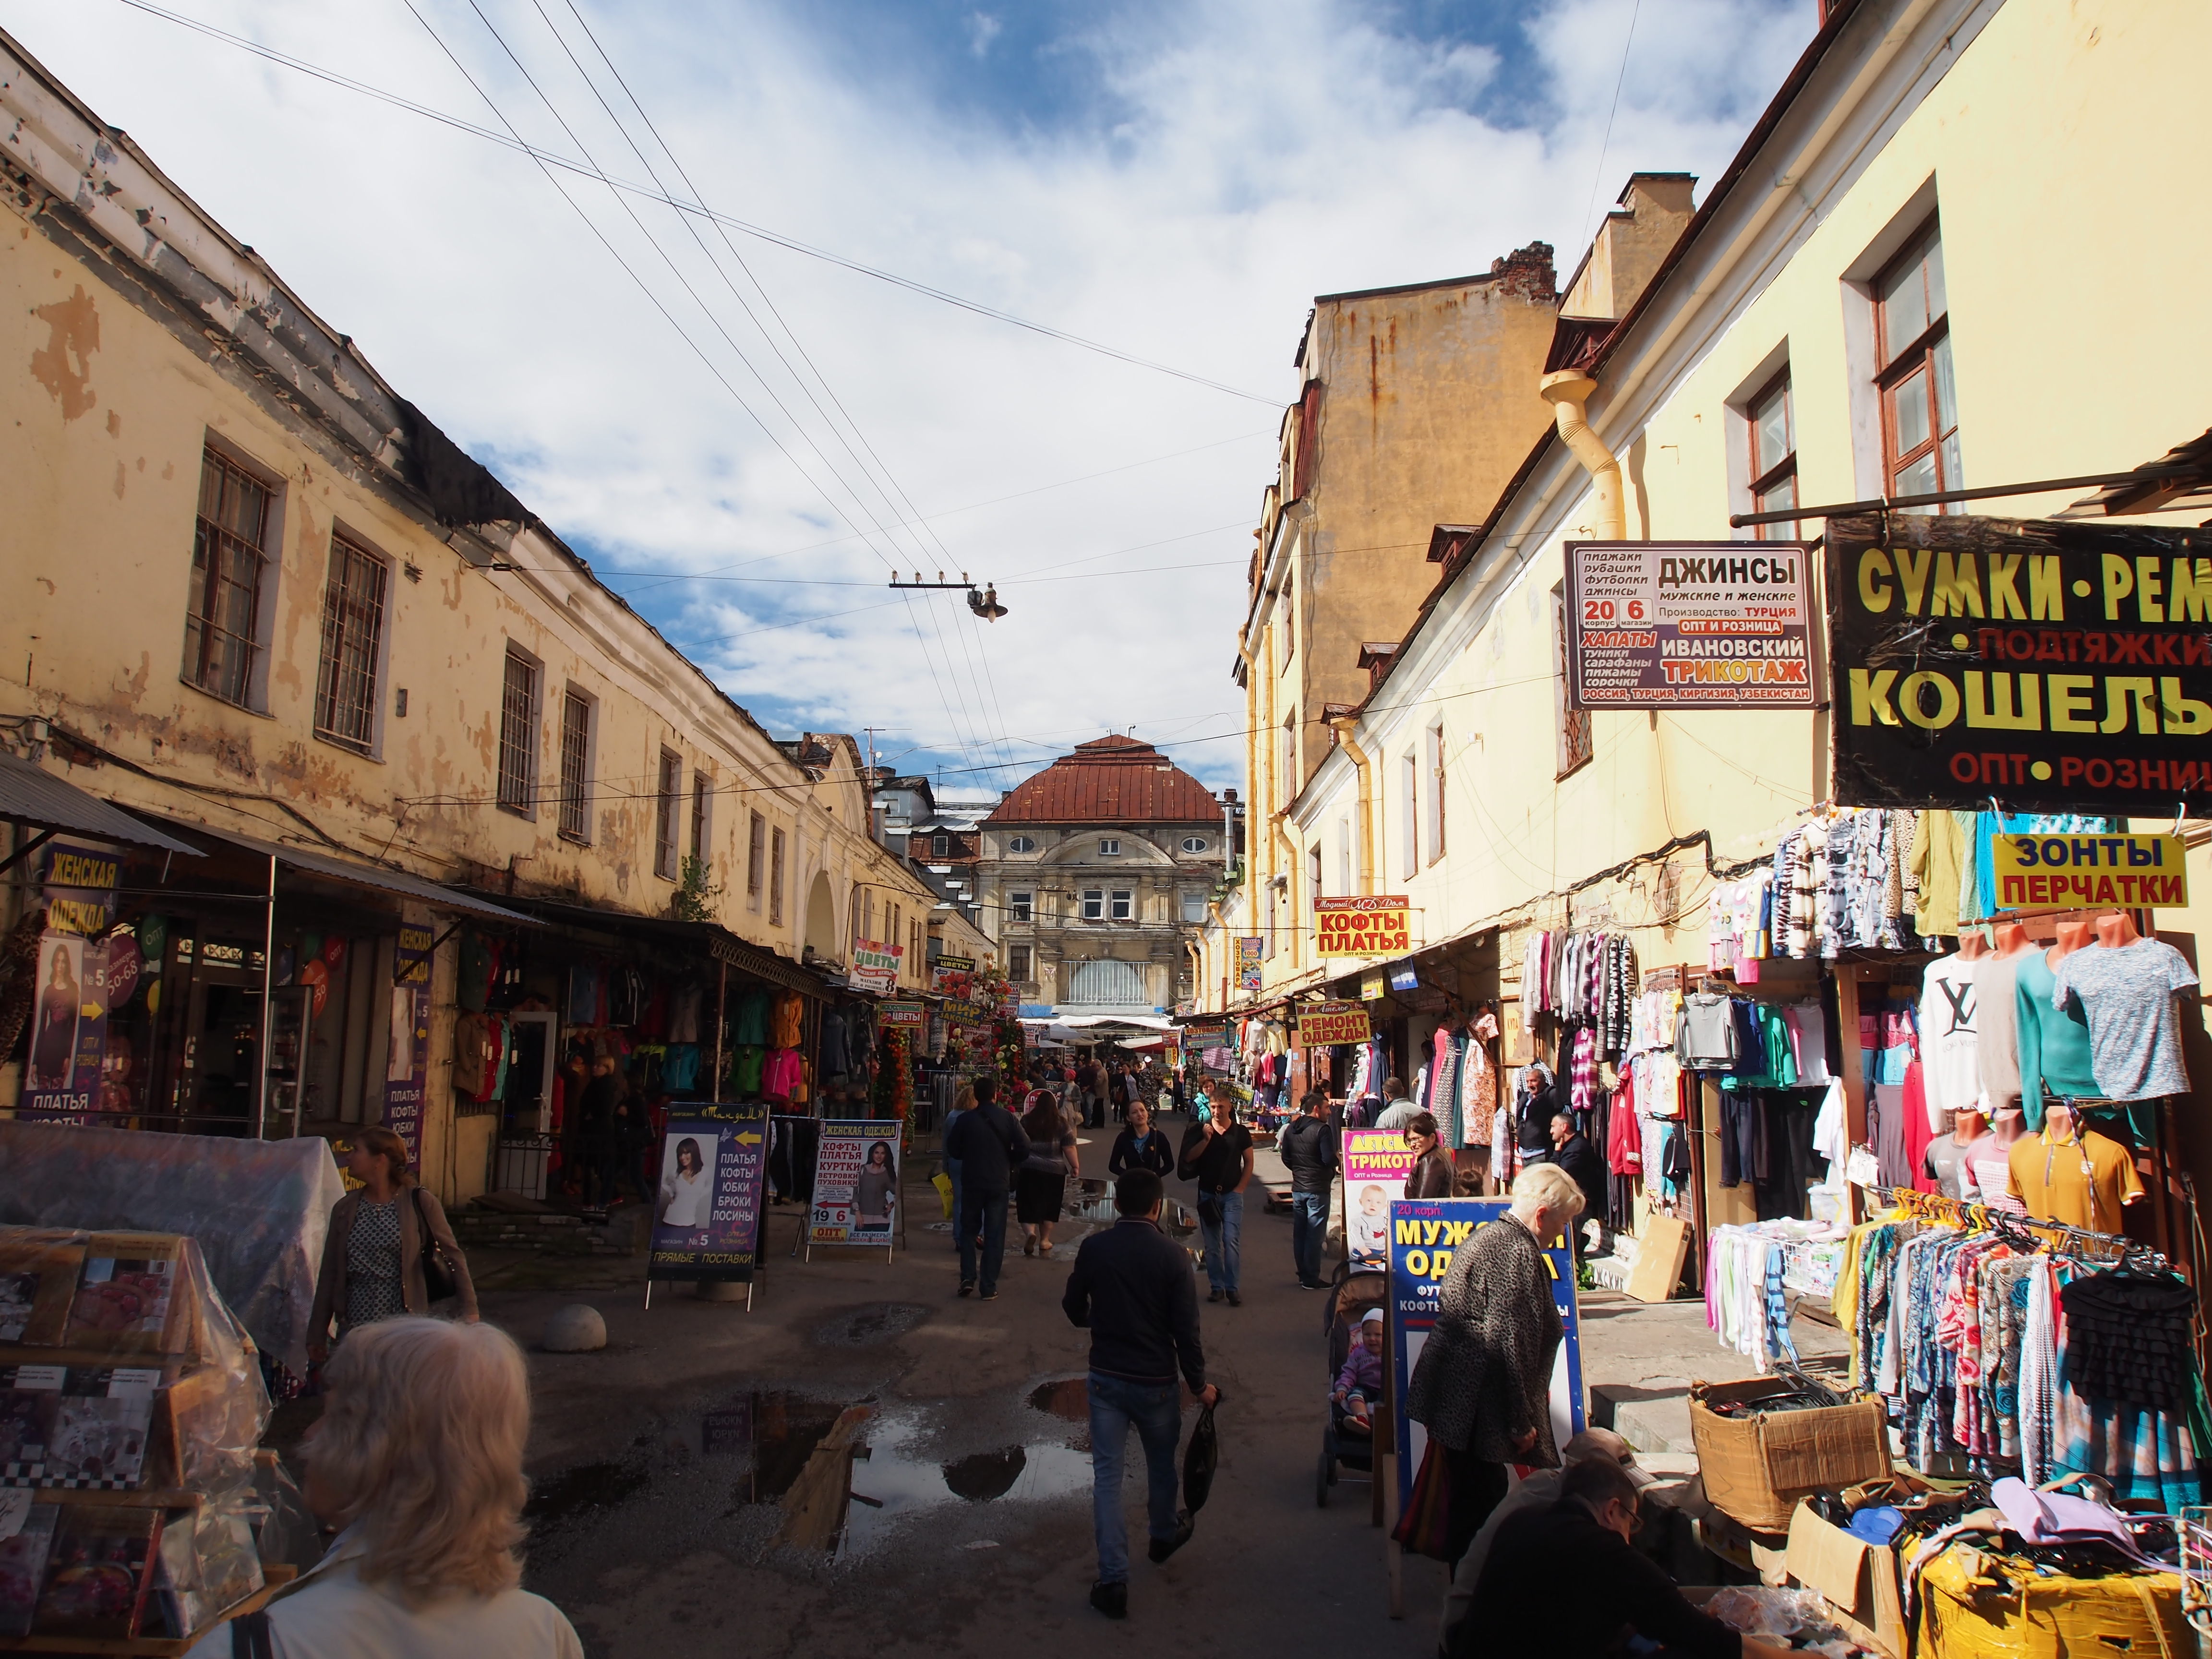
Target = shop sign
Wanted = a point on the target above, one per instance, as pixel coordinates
(407, 1058)
(1325, 1025)
(706, 1212)
(901, 1013)
(1248, 961)
(1425, 1233)
(2051, 668)
(2138, 871)
(1370, 987)
(1374, 925)
(1376, 1164)
(950, 976)
(69, 1029)
(80, 885)
(1690, 625)
(1204, 1036)
(875, 966)
(856, 1185)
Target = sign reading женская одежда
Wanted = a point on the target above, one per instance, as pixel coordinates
(2053, 667)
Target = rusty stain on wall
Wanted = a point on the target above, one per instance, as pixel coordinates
(63, 364)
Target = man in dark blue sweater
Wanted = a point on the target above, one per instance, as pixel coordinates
(1131, 1286)
(991, 1146)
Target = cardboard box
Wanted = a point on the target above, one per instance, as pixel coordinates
(1863, 1583)
(1756, 1468)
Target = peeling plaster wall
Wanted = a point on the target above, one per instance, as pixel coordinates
(111, 391)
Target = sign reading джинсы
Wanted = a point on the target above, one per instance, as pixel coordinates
(2054, 668)
(1690, 625)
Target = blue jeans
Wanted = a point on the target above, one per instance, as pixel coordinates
(953, 1175)
(1308, 1222)
(1156, 1409)
(1223, 1254)
(984, 1213)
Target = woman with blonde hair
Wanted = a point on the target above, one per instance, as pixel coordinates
(417, 1462)
(372, 1254)
(1484, 1382)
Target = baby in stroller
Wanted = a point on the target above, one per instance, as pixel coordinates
(1359, 1387)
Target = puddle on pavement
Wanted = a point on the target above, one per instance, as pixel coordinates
(890, 1475)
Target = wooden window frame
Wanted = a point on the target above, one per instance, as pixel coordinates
(1019, 964)
(756, 860)
(1897, 363)
(349, 677)
(669, 789)
(519, 708)
(217, 548)
(776, 876)
(1770, 476)
(576, 711)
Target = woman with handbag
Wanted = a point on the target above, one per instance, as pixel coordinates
(389, 1249)
(1432, 1174)
(1040, 1184)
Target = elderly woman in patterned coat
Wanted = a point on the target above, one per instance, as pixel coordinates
(1483, 1384)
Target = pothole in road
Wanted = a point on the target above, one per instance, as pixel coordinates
(581, 1491)
(864, 1328)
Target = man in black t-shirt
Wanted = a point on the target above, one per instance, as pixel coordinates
(1216, 1154)
(1308, 1145)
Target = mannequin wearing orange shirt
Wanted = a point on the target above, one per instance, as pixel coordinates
(2072, 1175)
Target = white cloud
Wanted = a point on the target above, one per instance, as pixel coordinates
(1253, 154)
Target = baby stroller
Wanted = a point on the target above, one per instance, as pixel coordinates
(1351, 1293)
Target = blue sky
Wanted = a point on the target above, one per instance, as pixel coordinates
(746, 441)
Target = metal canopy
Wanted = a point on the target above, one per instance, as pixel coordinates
(32, 796)
(326, 867)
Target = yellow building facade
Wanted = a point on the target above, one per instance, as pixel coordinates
(251, 589)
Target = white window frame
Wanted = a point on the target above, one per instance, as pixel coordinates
(1435, 739)
(1121, 904)
(1109, 846)
(1021, 907)
(1409, 808)
(1021, 844)
(1195, 843)
(1093, 904)
(1344, 854)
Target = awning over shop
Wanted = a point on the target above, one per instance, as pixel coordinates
(35, 798)
(323, 866)
(705, 937)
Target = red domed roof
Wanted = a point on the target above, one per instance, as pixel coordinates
(1107, 780)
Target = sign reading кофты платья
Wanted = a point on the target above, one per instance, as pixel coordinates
(2051, 666)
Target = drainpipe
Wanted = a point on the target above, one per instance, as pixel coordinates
(1568, 391)
(1342, 724)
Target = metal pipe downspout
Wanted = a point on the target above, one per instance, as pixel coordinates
(1342, 725)
(1568, 392)
(268, 974)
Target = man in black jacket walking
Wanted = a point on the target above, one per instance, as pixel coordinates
(1131, 1286)
(991, 1146)
(1307, 1146)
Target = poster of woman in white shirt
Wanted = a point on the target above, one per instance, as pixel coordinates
(687, 1183)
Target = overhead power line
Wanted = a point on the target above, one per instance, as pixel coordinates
(514, 140)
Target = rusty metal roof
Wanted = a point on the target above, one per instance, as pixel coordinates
(1109, 779)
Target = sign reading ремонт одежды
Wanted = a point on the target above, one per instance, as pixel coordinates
(1690, 625)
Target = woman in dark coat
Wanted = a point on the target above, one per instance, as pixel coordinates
(1483, 1383)
(1432, 1174)
(1042, 1183)
(1532, 1118)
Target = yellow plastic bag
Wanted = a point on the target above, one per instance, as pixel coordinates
(943, 1182)
(1978, 1606)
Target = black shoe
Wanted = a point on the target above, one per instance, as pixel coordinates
(990, 1296)
(1112, 1599)
(1235, 1300)
(1213, 1296)
(967, 1290)
(1163, 1547)
(1311, 1285)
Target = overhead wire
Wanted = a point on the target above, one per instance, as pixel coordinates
(512, 140)
(966, 741)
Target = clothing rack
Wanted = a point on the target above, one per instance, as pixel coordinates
(1917, 1206)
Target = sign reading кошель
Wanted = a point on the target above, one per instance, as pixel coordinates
(2053, 667)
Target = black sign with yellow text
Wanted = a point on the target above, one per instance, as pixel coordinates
(2054, 668)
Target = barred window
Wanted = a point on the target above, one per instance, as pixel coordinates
(229, 557)
(702, 815)
(518, 736)
(353, 637)
(775, 878)
(756, 860)
(576, 760)
(663, 815)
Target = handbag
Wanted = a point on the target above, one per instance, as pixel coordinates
(1425, 1527)
(440, 1281)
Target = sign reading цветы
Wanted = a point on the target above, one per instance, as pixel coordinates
(1375, 926)
(1690, 625)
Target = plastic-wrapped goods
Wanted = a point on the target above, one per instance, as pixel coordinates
(23, 1560)
(40, 1268)
(257, 1208)
(79, 1426)
(100, 1570)
(126, 1300)
(207, 1565)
